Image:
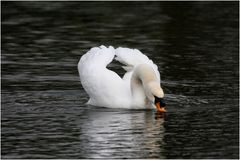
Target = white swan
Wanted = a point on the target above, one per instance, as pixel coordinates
(139, 88)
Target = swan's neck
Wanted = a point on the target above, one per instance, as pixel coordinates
(142, 76)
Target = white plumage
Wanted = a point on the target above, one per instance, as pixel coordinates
(106, 88)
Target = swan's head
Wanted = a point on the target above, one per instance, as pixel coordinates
(155, 95)
(144, 77)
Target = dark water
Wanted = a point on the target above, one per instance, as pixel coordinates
(43, 111)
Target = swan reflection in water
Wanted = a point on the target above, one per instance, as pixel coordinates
(122, 134)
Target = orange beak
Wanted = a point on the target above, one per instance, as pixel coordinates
(159, 108)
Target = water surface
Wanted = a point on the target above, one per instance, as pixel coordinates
(194, 44)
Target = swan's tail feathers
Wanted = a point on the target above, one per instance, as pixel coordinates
(97, 57)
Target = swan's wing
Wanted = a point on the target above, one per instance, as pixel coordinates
(131, 58)
(104, 86)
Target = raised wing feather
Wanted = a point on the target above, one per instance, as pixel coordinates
(102, 85)
(131, 58)
(97, 56)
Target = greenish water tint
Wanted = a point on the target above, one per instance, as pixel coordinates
(43, 111)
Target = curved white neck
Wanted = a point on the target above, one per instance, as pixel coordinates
(142, 83)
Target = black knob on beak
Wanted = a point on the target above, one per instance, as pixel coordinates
(160, 100)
